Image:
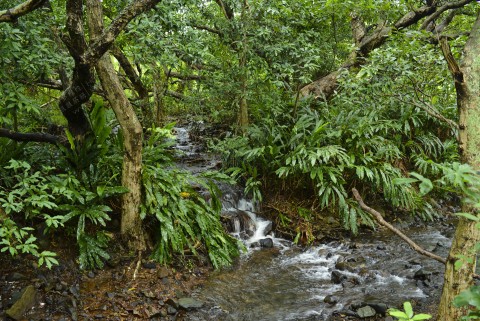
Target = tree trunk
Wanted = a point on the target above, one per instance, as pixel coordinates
(243, 105)
(467, 80)
(131, 225)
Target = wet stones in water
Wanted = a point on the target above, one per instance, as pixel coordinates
(330, 299)
(338, 277)
(366, 312)
(422, 274)
(266, 243)
(345, 266)
(23, 304)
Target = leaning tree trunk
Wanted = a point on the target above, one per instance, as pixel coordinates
(131, 227)
(467, 235)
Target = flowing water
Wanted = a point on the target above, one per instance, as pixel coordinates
(278, 280)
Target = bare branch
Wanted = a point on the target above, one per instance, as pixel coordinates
(30, 137)
(442, 9)
(12, 14)
(392, 228)
(209, 29)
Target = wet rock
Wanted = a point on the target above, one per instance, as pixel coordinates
(268, 228)
(266, 243)
(16, 277)
(366, 312)
(189, 304)
(23, 304)
(330, 299)
(380, 308)
(338, 277)
(255, 244)
(149, 265)
(172, 303)
(422, 274)
(344, 266)
(171, 310)
(91, 275)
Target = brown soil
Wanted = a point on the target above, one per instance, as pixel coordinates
(126, 289)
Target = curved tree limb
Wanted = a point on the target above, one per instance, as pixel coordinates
(392, 228)
(12, 14)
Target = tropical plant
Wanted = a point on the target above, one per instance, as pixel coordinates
(185, 208)
(407, 313)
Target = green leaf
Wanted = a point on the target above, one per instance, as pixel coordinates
(407, 307)
(421, 316)
(468, 297)
(469, 216)
(397, 314)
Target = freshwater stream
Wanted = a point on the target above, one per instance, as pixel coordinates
(277, 280)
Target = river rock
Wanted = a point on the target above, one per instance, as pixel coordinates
(189, 304)
(380, 308)
(344, 266)
(422, 274)
(22, 305)
(330, 299)
(268, 228)
(266, 243)
(338, 277)
(366, 312)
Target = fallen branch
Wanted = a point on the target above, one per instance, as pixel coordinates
(384, 223)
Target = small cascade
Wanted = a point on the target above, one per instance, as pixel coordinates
(277, 280)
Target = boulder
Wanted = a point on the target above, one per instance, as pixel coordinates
(266, 243)
(338, 277)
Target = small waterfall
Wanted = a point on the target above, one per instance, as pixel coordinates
(276, 280)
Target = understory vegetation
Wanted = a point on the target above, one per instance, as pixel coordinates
(305, 101)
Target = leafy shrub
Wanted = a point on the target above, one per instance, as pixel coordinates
(174, 199)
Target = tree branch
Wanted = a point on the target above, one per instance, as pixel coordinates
(12, 14)
(226, 10)
(30, 137)
(384, 223)
(324, 88)
(442, 9)
(209, 29)
(130, 72)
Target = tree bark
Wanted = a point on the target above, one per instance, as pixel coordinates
(467, 235)
(131, 224)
